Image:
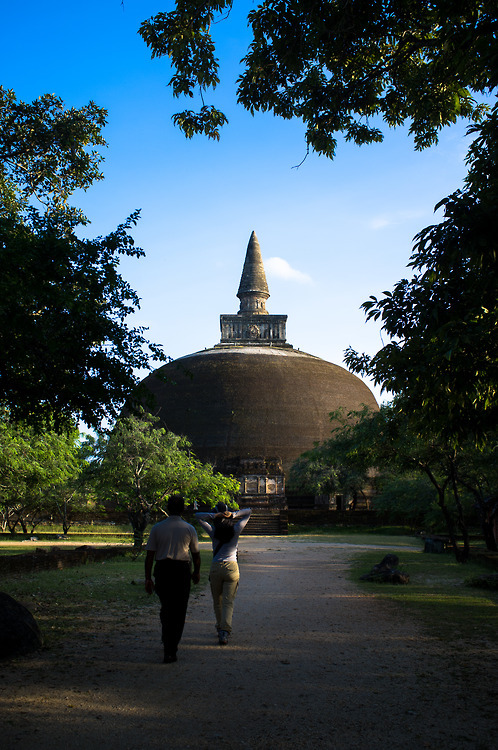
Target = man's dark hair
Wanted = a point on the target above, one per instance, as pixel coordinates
(176, 505)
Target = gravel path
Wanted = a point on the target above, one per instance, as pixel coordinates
(312, 663)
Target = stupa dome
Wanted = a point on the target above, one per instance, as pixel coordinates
(250, 402)
(253, 397)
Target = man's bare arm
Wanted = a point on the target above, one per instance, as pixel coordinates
(196, 575)
(149, 562)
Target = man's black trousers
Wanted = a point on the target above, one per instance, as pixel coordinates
(172, 585)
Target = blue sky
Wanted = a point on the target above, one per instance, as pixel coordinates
(331, 233)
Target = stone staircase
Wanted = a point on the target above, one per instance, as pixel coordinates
(265, 522)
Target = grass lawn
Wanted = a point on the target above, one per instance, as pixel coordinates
(21, 548)
(437, 595)
(78, 599)
(78, 534)
(389, 536)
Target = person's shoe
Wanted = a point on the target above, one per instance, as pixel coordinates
(169, 658)
(223, 637)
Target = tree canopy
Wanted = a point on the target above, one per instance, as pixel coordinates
(47, 151)
(443, 322)
(342, 464)
(463, 478)
(141, 464)
(66, 349)
(340, 66)
(33, 466)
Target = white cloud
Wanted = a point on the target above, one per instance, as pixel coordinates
(397, 218)
(283, 270)
(379, 222)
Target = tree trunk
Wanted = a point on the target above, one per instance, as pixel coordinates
(450, 526)
(65, 519)
(463, 555)
(139, 520)
(441, 491)
(487, 510)
(487, 527)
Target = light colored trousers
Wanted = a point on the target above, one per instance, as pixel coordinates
(224, 580)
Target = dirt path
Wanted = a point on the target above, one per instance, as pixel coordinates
(312, 663)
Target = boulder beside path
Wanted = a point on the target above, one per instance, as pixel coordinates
(19, 632)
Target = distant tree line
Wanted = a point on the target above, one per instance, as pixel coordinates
(422, 479)
(52, 477)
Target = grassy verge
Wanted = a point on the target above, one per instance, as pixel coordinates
(437, 595)
(393, 537)
(334, 529)
(20, 548)
(84, 598)
(78, 534)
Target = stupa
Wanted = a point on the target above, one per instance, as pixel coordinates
(252, 404)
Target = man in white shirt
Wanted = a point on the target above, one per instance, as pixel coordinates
(171, 543)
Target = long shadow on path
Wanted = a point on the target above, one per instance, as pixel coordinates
(312, 663)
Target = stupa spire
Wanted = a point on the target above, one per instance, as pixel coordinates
(253, 325)
(253, 289)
